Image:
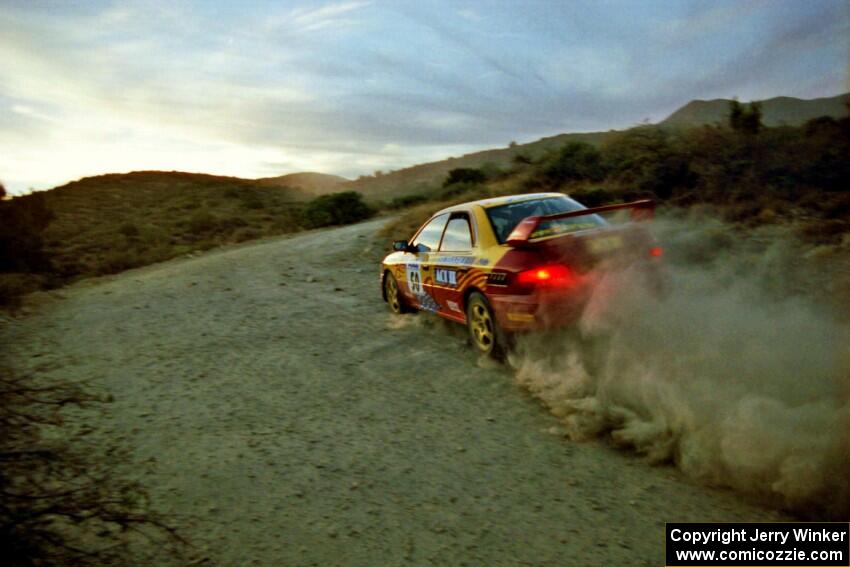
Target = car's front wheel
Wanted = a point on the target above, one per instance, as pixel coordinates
(484, 331)
(393, 295)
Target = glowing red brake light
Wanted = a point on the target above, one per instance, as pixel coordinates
(656, 251)
(546, 275)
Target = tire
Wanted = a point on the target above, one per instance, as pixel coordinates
(487, 337)
(393, 295)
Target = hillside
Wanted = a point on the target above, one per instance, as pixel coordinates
(309, 182)
(778, 111)
(108, 223)
(425, 177)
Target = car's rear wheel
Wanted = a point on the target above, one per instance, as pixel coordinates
(484, 331)
(393, 295)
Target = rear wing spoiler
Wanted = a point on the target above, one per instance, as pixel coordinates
(640, 210)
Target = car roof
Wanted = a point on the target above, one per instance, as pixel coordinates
(497, 201)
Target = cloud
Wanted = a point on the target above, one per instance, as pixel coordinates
(330, 15)
(469, 14)
(29, 111)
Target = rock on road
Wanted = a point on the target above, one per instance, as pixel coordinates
(296, 422)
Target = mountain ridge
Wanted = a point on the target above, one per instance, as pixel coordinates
(776, 111)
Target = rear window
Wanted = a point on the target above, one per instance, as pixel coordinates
(504, 218)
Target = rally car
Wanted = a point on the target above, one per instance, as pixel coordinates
(510, 264)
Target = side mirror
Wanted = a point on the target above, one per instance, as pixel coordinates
(400, 246)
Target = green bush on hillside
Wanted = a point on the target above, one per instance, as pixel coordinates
(202, 221)
(336, 209)
(745, 119)
(646, 159)
(575, 161)
(465, 175)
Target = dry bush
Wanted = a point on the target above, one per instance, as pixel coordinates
(62, 502)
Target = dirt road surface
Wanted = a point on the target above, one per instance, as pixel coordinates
(291, 420)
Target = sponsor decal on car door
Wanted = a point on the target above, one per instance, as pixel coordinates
(449, 274)
(421, 283)
(413, 273)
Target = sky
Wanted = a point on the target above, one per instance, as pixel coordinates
(255, 88)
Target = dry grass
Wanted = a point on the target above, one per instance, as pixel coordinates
(110, 223)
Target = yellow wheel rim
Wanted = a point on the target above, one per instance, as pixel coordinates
(481, 324)
(392, 293)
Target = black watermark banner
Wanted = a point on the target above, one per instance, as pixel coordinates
(794, 543)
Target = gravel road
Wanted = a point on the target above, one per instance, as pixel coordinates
(293, 421)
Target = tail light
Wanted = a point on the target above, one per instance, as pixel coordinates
(554, 275)
(656, 251)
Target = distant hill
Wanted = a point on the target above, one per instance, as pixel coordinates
(779, 111)
(424, 177)
(309, 182)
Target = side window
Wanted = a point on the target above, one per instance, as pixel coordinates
(458, 236)
(429, 237)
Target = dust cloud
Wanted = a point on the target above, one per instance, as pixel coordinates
(739, 374)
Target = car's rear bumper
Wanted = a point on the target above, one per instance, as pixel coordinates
(543, 309)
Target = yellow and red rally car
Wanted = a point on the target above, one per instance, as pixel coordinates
(512, 264)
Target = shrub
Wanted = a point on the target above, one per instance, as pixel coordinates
(743, 119)
(491, 171)
(246, 233)
(647, 159)
(203, 221)
(250, 198)
(335, 209)
(594, 197)
(129, 230)
(575, 161)
(465, 175)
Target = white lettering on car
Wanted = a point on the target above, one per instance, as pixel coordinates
(446, 277)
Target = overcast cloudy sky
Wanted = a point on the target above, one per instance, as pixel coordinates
(254, 88)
